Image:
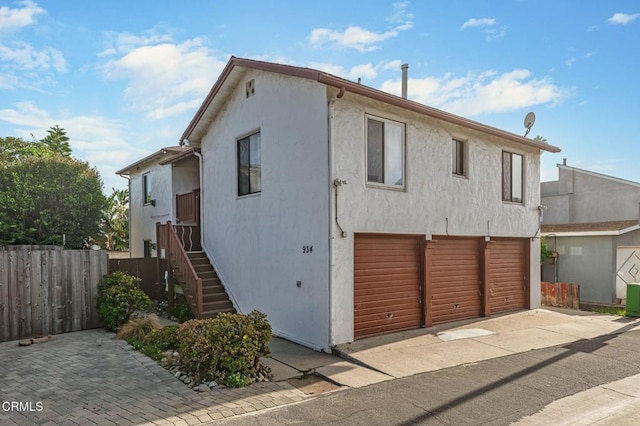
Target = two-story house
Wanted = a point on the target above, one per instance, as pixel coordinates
(342, 211)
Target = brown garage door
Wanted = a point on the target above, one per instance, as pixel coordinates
(387, 271)
(508, 275)
(455, 279)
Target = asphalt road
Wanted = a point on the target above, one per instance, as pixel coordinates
(493, 392)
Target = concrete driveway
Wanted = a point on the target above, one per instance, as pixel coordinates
(88, 378)
(447, 345)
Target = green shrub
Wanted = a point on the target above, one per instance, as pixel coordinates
(226, 348)
(119, 297)
(181, 309)
(165, 338)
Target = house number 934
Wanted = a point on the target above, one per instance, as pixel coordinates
(307, 249)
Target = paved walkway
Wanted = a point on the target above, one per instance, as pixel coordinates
(88, 378)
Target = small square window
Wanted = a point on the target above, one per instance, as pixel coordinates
(459, 157)
(512, 177)
(385, 152)
(249, 165)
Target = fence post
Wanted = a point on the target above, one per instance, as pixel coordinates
(171, 290)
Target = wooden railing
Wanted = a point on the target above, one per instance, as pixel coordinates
(189, 236)
(188, 206)
(177, 256)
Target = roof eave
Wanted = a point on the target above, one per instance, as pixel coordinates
(358, 89)
(612, 232)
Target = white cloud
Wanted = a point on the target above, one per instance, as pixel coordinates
(13, 19)
(480, 93)
(478, 23)
(165, 79)
(25, 57)
(353, 37)
(364, 71)
(401, 18)
(362, 39)
(623, 18)
(126, 42)
(569, 62)
(487, 25)
(96, 139)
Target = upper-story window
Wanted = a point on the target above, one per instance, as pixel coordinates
(146, 188)
(512, 177)
(459, 157)
(385, 152)
(249, 165)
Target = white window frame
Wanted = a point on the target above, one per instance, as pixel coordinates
(463, 151)
(511, 197)
(238, 168)
(403, 150)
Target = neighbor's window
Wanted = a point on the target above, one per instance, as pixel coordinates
(459, 158)
(249, 165)
(146, 188)
(385, 152)
(511, 177)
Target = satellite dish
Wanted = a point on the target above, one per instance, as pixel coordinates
(529, 120)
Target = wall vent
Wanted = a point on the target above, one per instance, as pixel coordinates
(250, 88)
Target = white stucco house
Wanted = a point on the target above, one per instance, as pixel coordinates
(342, 211)
(154, 182)
(591, 224)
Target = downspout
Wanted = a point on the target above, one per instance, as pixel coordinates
(331, 188)
(199, 155)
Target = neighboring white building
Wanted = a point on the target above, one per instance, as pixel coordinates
(342, 211)
(154, 182)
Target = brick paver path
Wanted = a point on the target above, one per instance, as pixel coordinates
(89, 378)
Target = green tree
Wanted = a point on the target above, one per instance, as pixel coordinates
(15, 149)
(45, 194)
(115, 226)
(58, 141)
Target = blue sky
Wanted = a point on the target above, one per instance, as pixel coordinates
(124, 78)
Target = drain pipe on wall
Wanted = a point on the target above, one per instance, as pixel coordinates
(331, 188)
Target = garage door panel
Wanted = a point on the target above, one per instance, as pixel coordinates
(387, 277)
(364, 296)
(508, 272)
(455, 279)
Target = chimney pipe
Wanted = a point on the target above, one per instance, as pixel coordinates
(564, 161)
(405, 68)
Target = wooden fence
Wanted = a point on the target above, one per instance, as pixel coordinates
(145, 268)
(48, 290)
(560, 294)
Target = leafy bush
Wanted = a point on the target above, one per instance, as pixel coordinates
(165, 338)
(226, 348)
(119, 297)
(181, 310)
(139, 328)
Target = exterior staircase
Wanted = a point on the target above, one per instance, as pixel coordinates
(198, 279)
(214, 297)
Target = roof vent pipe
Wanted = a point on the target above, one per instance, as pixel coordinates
(405, 68)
